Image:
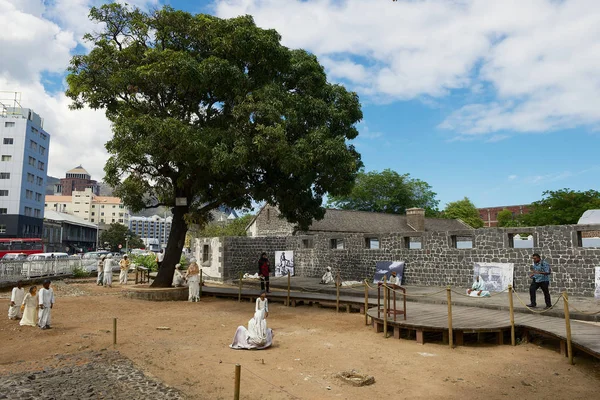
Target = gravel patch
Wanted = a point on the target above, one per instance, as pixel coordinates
(88, 375)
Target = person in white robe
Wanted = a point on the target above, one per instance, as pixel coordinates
(478, 288)
(100, 280)
(108, 266)
(178, 278)
(45, 302)
(16, 299)
(30, 307)
(395, 280)
(124, 266)
(258, 336)
(327, 277)
(192, 277)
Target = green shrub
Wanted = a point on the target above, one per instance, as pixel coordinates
(148, 261)
(80, 272)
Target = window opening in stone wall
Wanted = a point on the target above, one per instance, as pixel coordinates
(337, 244)
(205, 252)
(372, 243)
(520, 241)
(308, 244)
(462, 242)
(413, 242)
(590, 239)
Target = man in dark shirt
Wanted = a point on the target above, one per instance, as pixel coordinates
(263, 271)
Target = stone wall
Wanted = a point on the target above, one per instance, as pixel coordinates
(437, 263)
(269, 223)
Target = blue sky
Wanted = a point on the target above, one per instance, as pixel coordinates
(496, 102)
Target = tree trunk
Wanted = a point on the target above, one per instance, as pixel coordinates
(174, 246)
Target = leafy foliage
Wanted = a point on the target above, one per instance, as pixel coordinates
(80, 272)
(505, 219)
(561, 207)
(213, 112)
(117, 234)
(237, 227)
(145, 260)
(465, 210)
(387, 192)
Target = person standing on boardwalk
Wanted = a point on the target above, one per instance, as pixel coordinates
(540, 273)
(16, 298)
(46, 302)
(264, 271)
(124, 265)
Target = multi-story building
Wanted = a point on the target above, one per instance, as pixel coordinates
(102, 210)
(24, 146)
(154, 230)
(490, 215)
(77, 179)
(66, 232)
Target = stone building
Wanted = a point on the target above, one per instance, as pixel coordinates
(268, 222)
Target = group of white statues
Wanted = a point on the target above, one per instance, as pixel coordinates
(257, 336)
(33, 308)
(191, 278)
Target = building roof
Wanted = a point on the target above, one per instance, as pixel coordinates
(590, 217)
(78, 170)
(68, 218)
(58, 199)
(372, 222)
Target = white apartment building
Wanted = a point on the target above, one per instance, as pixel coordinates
(24, 146)
(154, 231)
(102, 210)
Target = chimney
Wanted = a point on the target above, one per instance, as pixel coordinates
(415, 217)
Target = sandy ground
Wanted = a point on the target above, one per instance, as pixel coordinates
(311, 346)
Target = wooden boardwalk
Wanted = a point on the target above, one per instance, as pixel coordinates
(426, 317)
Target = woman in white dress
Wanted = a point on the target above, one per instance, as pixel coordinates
(29, 308)
(193, 278)
(108, 266)
(257, 336)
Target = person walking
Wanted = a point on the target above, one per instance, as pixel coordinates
(540, 273)
(264, 271)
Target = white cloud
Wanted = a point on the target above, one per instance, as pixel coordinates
(537, 59)
(512, 177)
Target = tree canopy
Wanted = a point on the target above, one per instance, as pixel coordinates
(119, 234)
(465, 210)
(208, 112)
(505, 218)
(560, 207)
(388, 192)
(237, 227)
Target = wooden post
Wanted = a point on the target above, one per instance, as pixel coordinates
(394, 306)
(378, 299)
(385, 308)
(238, 375)
(366, 303)
(512, 316)
(201, 283)
(289, 283)
(450, 335)
(337, 294)
(136, 274)
(568, 326)
(114, 331)
(240, 291)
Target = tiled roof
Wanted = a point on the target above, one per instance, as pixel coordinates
(58, 199)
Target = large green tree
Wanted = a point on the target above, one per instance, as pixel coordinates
(119, 234)
(561, 207)
(389, 192)
(464, 210)
(208, 112)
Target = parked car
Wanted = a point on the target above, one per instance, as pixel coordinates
(89, 261)
(14, 257)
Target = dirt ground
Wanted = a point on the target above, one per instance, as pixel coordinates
(311, 345)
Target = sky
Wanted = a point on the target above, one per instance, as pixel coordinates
(496, 101)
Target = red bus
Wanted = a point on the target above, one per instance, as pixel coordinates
(17, 245)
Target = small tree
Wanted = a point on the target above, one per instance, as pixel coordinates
(118, 234)
(237, 227)
(505, 218)
(208, 112)
(464, 210)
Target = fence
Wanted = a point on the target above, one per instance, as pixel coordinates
(12, 271)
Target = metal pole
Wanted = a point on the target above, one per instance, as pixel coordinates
(238, 375)
(366, 303)
(337, 294)
(385, 306)
(240, 292)
(450, 333)
(568, 326)
(114, 331)
(512, 316)
(288, 294)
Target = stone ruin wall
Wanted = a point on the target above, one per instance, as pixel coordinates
(437, 263)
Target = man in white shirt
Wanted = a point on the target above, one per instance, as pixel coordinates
(46, 302)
